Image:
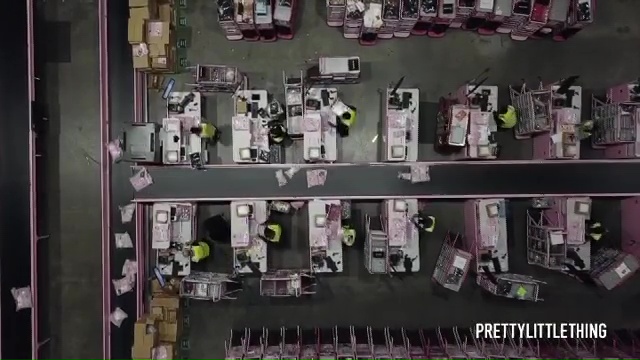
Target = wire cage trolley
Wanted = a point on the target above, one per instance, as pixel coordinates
(334, 70)
(546, 245)
(210, 286)
(284, 18)
(336, 10)
(513, 286)
(287, 283)
(452, 266)
(226, 19)
(617, 121)
(294, 103)
(533, 107)
(217, 78)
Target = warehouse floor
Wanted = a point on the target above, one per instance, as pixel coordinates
(605, 54)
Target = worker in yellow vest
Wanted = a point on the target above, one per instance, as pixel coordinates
(348, 235)
(345, 115)
(199, 251)
(507, 118)
(270, 232)
(424, 223)
(595, 230)
(206, 131)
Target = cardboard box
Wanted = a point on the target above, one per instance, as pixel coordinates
(172, 287)
(169, 332)
(140, 13)
(167, 13)
(137, 31)
(140, 59)
(142, 3)
(146, 336)
(156, 50)
(158, 32)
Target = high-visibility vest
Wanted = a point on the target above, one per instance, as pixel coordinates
(271, 233)
(509, 118)
(200, 251)
(433, 224)
(349, 122)
(349, 235)
(208, 131)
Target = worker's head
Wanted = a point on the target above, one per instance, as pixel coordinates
(196, 130)
(587, 125)
(277, 130)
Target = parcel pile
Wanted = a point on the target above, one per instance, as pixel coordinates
(152, 35)
(156, 334)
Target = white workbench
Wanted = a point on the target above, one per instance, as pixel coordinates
(193, 109)
(249, 130)
(575, 223)
(492, 232)
(177, 140)
(400, 231)
(326, 238)
(244, 234)
(178, 228)
(319, 128)
(397, 124)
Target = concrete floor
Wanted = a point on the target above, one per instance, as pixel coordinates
(604, 54)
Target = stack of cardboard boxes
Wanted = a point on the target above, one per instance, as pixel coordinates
(152, 35)
(156, 334)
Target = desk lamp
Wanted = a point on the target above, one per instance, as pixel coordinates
(244, 210)
(400, 205)
(394, 99)
(172, 156)
(315, 153)
(245, 154)
(320, 221)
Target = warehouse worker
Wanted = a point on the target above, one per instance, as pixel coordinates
(270, 232)
(199, 251)
(595, 230)
(424, 223)
(348, 235)
(277, 133)
(507, 117)
(206, 131)
(345, 116)
(585, 129)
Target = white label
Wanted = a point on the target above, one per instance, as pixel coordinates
(162, 60)
(459, 262)
(155, 29)
(622, 270)
(557, 239)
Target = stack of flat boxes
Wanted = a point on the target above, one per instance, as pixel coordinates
(152, 35)
(165, 308)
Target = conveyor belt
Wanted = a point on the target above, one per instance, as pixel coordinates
(448, 180)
